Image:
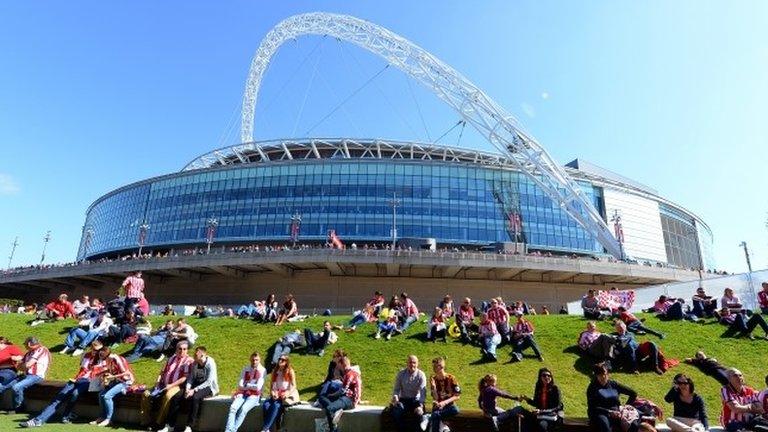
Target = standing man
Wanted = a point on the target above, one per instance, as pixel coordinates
(133, 288)
(34, 365)
(173, 375)
(409, 393)
(202, 382)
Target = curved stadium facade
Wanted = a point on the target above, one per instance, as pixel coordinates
(458, 197)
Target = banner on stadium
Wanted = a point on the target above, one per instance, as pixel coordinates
(613, 299)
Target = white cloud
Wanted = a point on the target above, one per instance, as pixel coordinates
(8, 185)
(545, 95)
(528, 109)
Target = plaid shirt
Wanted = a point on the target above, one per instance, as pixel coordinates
(352, 385)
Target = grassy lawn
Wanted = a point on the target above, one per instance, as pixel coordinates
(231, 341)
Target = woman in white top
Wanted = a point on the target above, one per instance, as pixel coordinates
(248, 393)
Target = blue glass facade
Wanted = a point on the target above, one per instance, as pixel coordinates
(456, 203)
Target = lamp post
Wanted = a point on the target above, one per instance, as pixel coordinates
(295, 228)
(746, 255)
(394, 202)
(13, 251)
(46, 239)
(210, 231)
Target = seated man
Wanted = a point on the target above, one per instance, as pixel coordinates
(591, 306)
(635, 325)
(72, 390)
(168, 311)
(627, 351)
(147, 345)
(409, 393)
(122, 329)
(58, 309)
(737, 398)
(499, 315)
(739, 325)
(598, 345)
(251, 310)
(10, 354)
(169, 382)
(316, 342)
(709, 366)
(88, 330)
(34, 366)
(81, 306)
(202, 383)
(704, 306)
(181, 332)
(347, 397)
(522, 338)
(465, 318)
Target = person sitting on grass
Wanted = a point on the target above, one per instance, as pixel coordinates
(762, 299)
(741, 326)
(603, 402)
(377, 303)
(436, 328)
(704, 306)
(590, 305)
(10, 354)
(290, 341)
(738, 409)
(409, 313)
(116, 375)
(333, 376)
(251, 310)
(628, 353)
(270, 309)
(499, 315)
(122, 329)
(288, 311)
(283, 393)
(409, 393)
(445, 392)
(168, 311)
(486, 401)
(33, 367)
(446, 306)
(346, 398)
(148, 345)
(599, 346)
(87, 331)
(489, 338)
(170, 382)
(71, 391)
(387, 327)
(522, 339)
(316, 342)
(81, 306)
(56, 310)
(202, 383)
(248, 393)
(690, 413)
(635, 325)
(181, 332)
(547, 403)
(465, 318)
(731, 301)
(365, 315)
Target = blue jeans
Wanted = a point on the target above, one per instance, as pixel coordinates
(68, 394)
(281, 349)
(105, 398)
(239, 409)
(272, 409)
(17, 386)
(331, 407)
(490, 343)
(408, 321)
(246, 310)
(146, 345)
(84, 336)
(405, 406)
(440, 415)
(7, 375)
(357, 320)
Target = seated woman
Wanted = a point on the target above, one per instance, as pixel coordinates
(603, 402)
(248, 393)
(690, 413)
(270, 309)
(283, 393)
(465, 318)
(489, 337)
(122, 329)
(436, 326)
(332, 380)
(446, 305)
(547, 413)
(486, 400)
(365, 315)
(288, 311)
(116, 376)
(522, 339)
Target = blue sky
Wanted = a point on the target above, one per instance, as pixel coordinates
(94, 95)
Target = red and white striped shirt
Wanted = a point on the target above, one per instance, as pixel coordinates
(36, 361)
(118, 365)
(176, 367)
(498, 314)
(488, 328)
(745, 397)
(523, 328)
(88, 365)
(762, 298)
(134, 287)
(465, 314)
(251, 381)
(409, 308)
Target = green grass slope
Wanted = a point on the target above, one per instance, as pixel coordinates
(230, 342)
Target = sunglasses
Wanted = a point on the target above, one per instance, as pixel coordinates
(681, 382)
(546, 376)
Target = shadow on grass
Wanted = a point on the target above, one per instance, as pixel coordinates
(583, 363)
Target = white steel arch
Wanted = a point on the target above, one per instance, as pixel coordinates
(499, 127)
